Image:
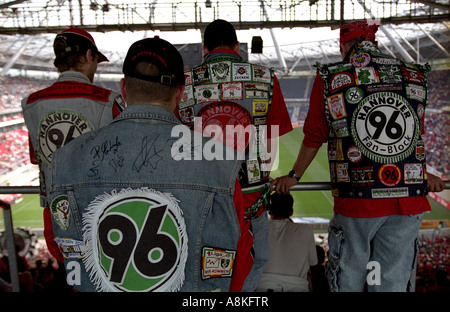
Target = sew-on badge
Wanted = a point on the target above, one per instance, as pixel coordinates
(413, 173)
(220, 72)
(217, 262)
(253, 171)
(390, 174)
(340, 80)
(261, 74)
(188, 77)
(354, 154)
(137, 240)
(363, 176)
(256, 90)
(340, 128)
(187, 99)
(420, 150)
(200, 73)
(58, 128)
(360, 60)
(60, 210)
(366, 75)
(260, 107)
(414, 76)
(342, 174)
(241, 72)
(336, 106)
(390, 74)
(232, 91)
(71, 248)
(354, 95)
(385, 127)
(390, 192)
(415, 92)
(207, 93)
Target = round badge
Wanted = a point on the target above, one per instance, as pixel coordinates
(389, 174)
(233, 120)
(59, 128)
(137, 241)
(385, 127)
(360, 60)
(354, 95)
(354, 154)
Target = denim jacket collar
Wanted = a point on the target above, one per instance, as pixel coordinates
(148, 111)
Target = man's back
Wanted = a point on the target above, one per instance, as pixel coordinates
(186, 206)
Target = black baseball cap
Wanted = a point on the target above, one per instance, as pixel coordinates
(78, 40)
(219, 32)
(160, 53)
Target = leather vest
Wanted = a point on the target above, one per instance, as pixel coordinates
(375, 107)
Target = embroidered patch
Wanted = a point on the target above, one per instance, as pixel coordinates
(336, 106)
(363, 176)
(366, 75)
(354, 95)
(390, 174)
(420, 150)
(384, 87)
(232, 91)
(415, 92)
(253, 171)
(260, 107)
(354, 154)
(256, 90)
(390, 193)
(71, 248)
(187, 99)
(58, 128)
(385, 127)
(230, 116)
(61, 211)
(188, 77)
(342, 172)
(360, 60)
(241, 72)
(261, 74)
(413, 76)
(187, 114)
(137, 241)
(413, 173)
(200, 73)
(390, 74)
(340, 80)
(220, 72)
(340, 128)
(207, 93)
(217, 262)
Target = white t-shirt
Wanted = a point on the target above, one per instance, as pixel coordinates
(292, 251)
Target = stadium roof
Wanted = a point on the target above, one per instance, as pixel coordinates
(295, 34)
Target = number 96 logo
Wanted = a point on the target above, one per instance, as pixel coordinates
(137, 240)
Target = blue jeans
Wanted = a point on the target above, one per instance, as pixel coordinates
(380, 251)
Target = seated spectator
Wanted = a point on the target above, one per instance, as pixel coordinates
(292, 250)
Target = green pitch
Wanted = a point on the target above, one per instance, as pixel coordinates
(28, 213)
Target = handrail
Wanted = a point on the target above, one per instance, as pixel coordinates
(301, 186)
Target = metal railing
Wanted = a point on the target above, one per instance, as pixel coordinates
(9, 229)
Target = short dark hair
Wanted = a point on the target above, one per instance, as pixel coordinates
(219, 33)
(281, 205)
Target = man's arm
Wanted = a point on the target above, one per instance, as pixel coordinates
(305, 157)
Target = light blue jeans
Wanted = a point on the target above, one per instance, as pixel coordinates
(381, 252)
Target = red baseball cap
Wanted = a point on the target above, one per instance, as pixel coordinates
(79, 40)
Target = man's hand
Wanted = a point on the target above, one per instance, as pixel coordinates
(283, 184)
(435, 184)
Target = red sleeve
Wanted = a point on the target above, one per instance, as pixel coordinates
(49, 237)
(278, 114)
(244, 257)
(316, 128)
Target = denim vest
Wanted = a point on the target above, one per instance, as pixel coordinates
(57, 114)
(375, 107)
(227, 92)
(133, 210)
